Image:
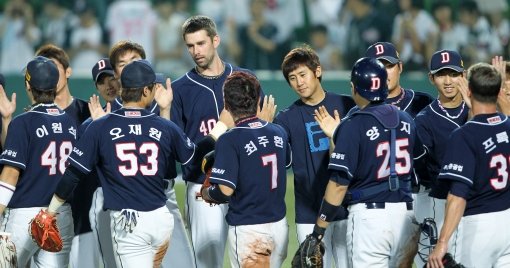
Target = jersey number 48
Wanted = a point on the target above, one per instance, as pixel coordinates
(56, 155)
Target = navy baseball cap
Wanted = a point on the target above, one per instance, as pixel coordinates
(137, 74)
(42, 74)
(446, 59)
(383, 51)
(160, 78)
(2, 80)
(103, 66)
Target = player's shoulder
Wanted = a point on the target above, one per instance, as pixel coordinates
(420, 99)
(182, 81)
(235, 68)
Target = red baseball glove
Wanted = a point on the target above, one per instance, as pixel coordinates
(44, 231)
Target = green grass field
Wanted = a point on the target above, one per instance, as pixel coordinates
(289, 199)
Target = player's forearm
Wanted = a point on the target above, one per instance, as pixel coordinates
(5, 126)
(165, 113)
(333, 198)
(55, 203)
(67, 184)
(455, 207)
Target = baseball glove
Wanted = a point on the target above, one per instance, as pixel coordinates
(309, 253)
(8, 257)
(207, 163)
(44, 231)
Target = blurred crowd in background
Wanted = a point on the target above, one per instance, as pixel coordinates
(255, 34)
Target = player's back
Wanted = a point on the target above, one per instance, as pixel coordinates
(137, 150)
(38, 143)
(484, 162)
(363, 146)
(252, 159)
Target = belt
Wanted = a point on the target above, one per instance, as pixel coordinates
(382, 205)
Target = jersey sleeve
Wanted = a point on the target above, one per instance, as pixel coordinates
(226, 164)
(85, 152)
(15, 151)
(459, 160)
(183, 147)
(345, 155)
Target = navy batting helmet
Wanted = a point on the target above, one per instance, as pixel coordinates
(369, 78)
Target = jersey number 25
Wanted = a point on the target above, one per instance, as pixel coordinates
(403, 159)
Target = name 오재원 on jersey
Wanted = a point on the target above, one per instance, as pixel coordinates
(251, 146)
(56, 128)
(489, 143)
(134, 129)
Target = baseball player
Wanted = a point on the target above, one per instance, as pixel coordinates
(475, 166)
(406, 100)
(371, 164)
(249, 172)
(122, 53)
(134, 151)
(302, 70)
(77, 109)
(434, 124)
(37, 146)
(196, 107)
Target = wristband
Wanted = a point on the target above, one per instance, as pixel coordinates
(318, 232)
(54, 205)
(6, 192)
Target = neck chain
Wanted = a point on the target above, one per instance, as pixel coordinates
(399, 99)
(446, 112)
(208, 76)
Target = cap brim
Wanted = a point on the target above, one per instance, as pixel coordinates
(160, 78)
(392, 60)
(451, 67)
(110, 72)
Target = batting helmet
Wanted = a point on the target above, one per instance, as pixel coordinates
(369, 78)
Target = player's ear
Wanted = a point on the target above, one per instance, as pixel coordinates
(216, 41)
(352, 89)
(431, 78)
(318, 71)
(69, 72)
(401, 67)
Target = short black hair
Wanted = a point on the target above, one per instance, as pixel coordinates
(241, 92)
(133, 94)
(303, 55)
(484, 82)
(197, 23)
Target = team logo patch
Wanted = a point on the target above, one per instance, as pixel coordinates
(494, 119)
(52, 111)
(255, 124)
(133, 113)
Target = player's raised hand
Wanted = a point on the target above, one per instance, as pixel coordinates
(327, 122)
(164, 95)
(227, 118)
(500, 65)
(7, 107)
(436, 257)
(504, 101)
(95, 108)
(462, 86)
(268, 109)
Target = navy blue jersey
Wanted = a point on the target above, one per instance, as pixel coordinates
(311, 152)
(197, 104)
(134, 151)
(252, 159)
(478, 157)
(434, 127)
(38, 143)
(117, 104)
(78, 110)
(409, 101)
(362, 155)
